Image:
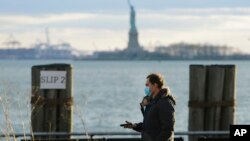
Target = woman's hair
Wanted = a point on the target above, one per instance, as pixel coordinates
(156, 78)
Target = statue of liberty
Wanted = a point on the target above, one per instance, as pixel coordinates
(132, 17)
(133, 44)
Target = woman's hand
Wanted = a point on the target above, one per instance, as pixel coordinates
(128, 125)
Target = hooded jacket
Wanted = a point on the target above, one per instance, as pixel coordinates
(159, 118)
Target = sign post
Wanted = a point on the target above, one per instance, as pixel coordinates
(52, 98)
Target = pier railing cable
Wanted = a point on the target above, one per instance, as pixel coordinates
(92, 134)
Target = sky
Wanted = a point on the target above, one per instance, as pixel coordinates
(94, 25)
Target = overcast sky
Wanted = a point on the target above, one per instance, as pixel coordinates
(103, 24)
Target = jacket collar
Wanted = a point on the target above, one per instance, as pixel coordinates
(158, 96)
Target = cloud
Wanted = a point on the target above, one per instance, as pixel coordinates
(170, 18)
(190, 19)
(43, 19)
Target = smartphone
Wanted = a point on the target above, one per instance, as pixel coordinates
(125, 124)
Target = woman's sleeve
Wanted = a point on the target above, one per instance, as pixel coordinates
(138, 127)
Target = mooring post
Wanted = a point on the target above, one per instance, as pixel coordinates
(229, 96)
(215, 80)
(211, 98)
(52, 98)
(197, 84)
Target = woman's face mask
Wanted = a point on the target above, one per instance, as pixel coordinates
(147, 91)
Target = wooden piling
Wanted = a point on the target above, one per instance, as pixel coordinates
(36, 98)
(214, 94)
(228, 112)
(212, 97)
(66, 109)
(197, 83)
(52, 108)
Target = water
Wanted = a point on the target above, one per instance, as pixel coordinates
(106, 93)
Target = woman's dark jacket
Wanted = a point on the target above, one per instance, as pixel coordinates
(159, 119)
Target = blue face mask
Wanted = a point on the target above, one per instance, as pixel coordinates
(147, 91)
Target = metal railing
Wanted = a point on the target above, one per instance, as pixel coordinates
(92, 134)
